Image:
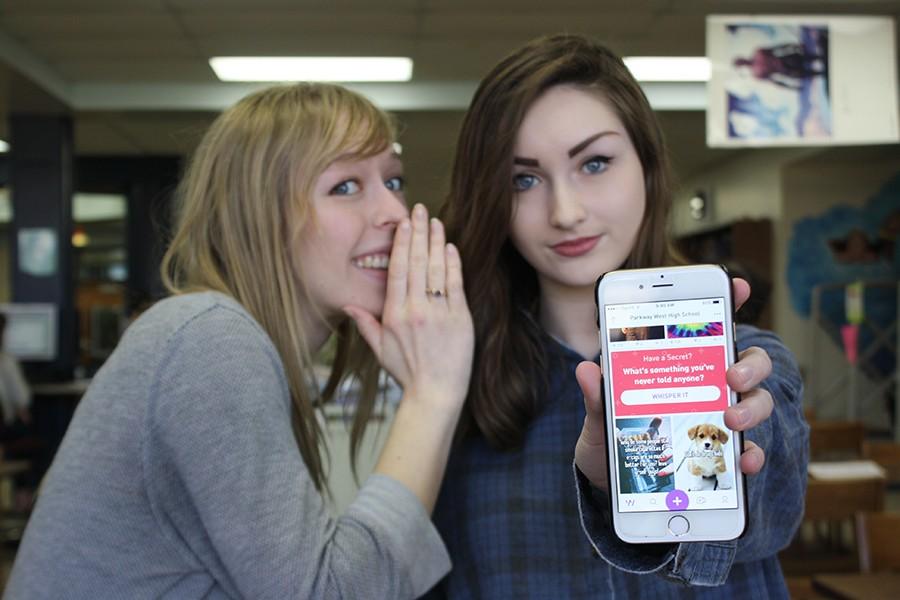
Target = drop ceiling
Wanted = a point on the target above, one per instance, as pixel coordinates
(134, 73)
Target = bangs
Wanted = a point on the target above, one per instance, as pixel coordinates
(336, 124)
(340, 125)
(366, 131)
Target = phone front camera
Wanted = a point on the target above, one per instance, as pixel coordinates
(640, 287)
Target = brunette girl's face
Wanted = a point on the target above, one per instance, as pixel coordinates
(343, 251)
(579, 189)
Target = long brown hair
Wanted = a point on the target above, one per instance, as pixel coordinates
(502, 288)
(244, 199)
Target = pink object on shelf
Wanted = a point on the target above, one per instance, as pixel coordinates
(850, 336)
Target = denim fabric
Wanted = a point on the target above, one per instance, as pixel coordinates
(512, 521)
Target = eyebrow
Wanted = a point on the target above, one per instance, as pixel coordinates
(587, 142)
(533, 162)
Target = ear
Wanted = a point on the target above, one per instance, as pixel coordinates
(723, 435)
(692, 432)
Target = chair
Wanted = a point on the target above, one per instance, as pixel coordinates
(840, 500)
(826, 541)
(801, 588)
(886, 454)
(809, 413)
(836, 440)
(878, 541)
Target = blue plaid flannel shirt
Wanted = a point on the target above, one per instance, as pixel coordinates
(512, 524)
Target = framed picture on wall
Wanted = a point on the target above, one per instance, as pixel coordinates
(801, 80)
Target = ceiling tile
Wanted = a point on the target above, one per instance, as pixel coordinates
(531, 23)
(75, 24)
(213, 7)
(66, 5)
(135, 70)
(284, 44)
(268, 22)
(158, 48)
(543, 5)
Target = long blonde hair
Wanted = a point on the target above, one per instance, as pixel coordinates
(244, 199)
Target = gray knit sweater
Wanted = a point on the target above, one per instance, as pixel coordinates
(179, 478)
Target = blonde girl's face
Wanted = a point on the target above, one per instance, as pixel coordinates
(343, 251)
(579, 189)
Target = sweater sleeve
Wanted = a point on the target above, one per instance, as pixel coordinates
(230, 490)
(775, 495)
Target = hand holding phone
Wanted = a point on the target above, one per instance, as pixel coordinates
(756, 405)
(667, 339)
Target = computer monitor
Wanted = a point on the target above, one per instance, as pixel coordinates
(30, 330)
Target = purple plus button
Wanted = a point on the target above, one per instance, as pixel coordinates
(677, 500)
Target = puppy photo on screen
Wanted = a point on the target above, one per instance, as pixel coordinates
(706, 458)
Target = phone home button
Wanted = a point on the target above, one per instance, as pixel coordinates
(679, 526)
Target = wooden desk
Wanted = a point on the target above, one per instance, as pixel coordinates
(864, 586)
(76, 387)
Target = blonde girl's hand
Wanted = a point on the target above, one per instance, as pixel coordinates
(425, 339)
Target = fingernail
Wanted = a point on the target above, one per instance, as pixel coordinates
(404, 224)
(743, 373)
(419, 211)
(743, 416)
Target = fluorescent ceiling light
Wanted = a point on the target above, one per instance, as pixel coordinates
(85, 207)
(296, 68)
(4, 146)
(98, 207)
(669, 68)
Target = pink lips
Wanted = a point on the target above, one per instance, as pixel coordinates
(577, 247)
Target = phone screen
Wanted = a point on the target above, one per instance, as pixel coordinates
(667, 364)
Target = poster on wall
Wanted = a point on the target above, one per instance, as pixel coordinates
(801, 80)
(37, 251)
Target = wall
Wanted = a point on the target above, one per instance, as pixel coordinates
(5, 284)
(747, 186)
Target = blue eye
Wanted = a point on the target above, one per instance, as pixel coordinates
(395, 184)
(345, 188)
(596, 164)
(524, 182)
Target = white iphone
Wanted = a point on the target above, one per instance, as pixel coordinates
(667, 338)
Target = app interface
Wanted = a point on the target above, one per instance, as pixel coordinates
(668, 362)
